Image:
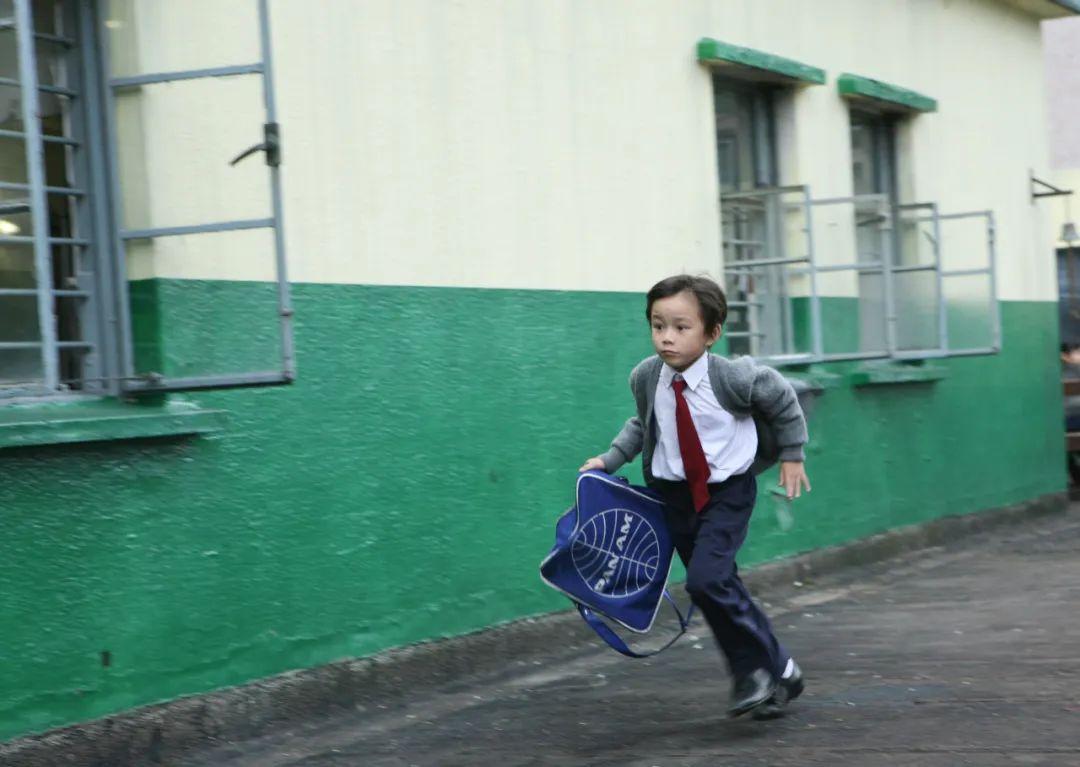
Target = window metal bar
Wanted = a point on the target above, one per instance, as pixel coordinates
(881, 201)
(966, 272)
(86, 312)
(19, 239)
(285, 309)
(112, 331)
(744, 265)
(919, 354)
(62, 293)
(118, 264)
(839, 356)
(991, 242)
(764, 192)
(190, 383)
(879, 198)
(36, 131)
(131, 382)
(917, 268)
(867, 266)
(889, 246)
(41, 345)
(54, 89)
(175, 231)
(8, 25)
(790, 359)
(943, 311)
(989, 214)
(55, 39)
(991, 271)
(786, 325)
(815, 302)
(15, 187)
(187, 74)
(35, 165)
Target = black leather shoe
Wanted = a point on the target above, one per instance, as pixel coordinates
(753, 690)
(787, 690)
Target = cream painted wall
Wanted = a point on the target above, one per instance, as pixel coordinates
(562, 144)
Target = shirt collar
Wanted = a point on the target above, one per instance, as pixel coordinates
(693, 375)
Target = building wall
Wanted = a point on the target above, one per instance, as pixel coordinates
(561, 145)
(476, 196)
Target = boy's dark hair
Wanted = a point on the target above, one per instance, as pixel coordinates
(710, 297)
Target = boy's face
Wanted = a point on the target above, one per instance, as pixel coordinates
(678, 331)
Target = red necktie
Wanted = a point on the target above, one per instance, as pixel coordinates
(695, 465)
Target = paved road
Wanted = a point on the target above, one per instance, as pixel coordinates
(968, 655)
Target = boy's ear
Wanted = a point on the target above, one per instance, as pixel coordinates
(714, 336)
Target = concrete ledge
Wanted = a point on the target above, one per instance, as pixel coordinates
(162, 734)
(102, 420)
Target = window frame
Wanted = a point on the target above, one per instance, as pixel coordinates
(884, 125)
(761, 97)
(76, 140)
(101, 217)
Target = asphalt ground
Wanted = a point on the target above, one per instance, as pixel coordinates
(967, 654)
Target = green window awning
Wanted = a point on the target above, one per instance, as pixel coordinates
(883, 95)
(756, 65)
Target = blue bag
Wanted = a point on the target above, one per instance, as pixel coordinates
(612, 556)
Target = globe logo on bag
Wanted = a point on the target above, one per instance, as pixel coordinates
(616, 553)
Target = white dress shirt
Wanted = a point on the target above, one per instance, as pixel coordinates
(730, 443)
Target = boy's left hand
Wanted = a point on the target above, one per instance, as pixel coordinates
(793, 478)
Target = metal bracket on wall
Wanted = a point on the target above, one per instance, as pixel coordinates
(1053, 190)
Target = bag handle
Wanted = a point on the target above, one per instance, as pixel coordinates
(608, 635)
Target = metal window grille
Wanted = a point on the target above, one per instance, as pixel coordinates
(270, 147)
(51, 334)
(65, 318)
(889, 269)
(881, 269)
(769, 268)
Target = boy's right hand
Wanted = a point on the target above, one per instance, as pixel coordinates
(591, 464)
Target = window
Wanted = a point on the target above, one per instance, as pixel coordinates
(745, 136)
(860, 277)
(873, 154)
(74, 186)
(49, 302)
(874, 182)
(754, 211)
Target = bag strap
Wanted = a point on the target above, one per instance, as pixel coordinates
(608, 635)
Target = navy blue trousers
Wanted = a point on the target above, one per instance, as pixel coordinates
(707, 544)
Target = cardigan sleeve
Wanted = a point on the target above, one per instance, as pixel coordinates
(775, 400)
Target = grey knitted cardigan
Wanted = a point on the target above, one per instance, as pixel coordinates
(743, 387)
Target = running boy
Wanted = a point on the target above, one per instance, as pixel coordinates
(697, 427)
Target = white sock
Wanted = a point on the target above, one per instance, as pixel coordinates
(789, 669)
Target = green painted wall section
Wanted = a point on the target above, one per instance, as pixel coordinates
(969, 325)
(407, 486)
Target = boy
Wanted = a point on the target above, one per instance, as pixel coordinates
(697, 427)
